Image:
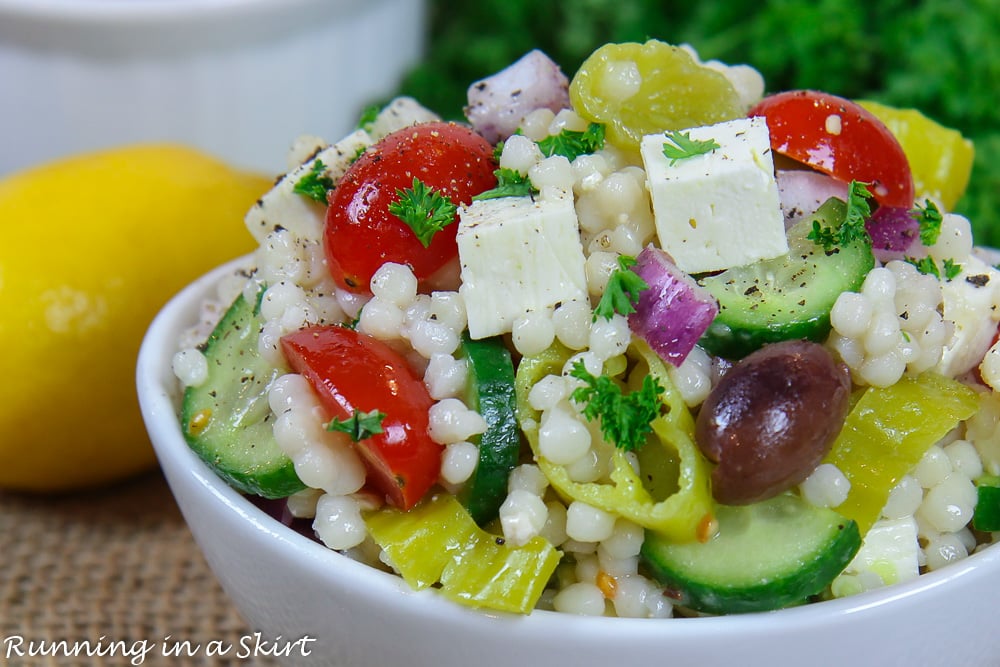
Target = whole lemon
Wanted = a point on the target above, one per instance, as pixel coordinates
(90, 248)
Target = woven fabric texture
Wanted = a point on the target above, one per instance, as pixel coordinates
(117, 565)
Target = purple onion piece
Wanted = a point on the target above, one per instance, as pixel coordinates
(801, 192)
(895, 233)
(498, 103)
(674, 312)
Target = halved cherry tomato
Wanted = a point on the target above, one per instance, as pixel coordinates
(351, 371)
(838, 137)
(361, 234)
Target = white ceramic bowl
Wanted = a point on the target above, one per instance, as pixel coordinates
(238, 78)
(289, 586)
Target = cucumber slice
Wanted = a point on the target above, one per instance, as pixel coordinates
(227, 420)
(986, 516)
(490, 391)
(788, 297)
(768, 555)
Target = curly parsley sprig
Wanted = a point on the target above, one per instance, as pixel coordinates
(359, 425)
(510, 183)
(315, 184)
(680, 146)
(622, 292)
(571, 144)
(853, 227)
(929, 219)
(424, 210)
(625, 418)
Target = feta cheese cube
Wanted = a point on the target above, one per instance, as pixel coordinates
(890, 550)
(282, 206)
(518, 255)
(972, 303)
(719, 209)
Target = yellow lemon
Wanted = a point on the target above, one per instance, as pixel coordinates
(90, 248)
(940, 158)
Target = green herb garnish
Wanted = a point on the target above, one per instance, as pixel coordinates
(949, 269)
(622, 292)
(680, 146)
(853, 227)
(571, 144)
(368, 116)
(929, 218)
(510, 183)
(359, 425)
(625, 418)
(424, 210)
(316, 184)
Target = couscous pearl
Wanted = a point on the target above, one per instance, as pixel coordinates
(955, 240)
(587, 523)
(581, 598)
(459, 462)
(350, 302)
(533, 333)
(587, 468)
(335, 469)
(933, 467)
(827, 486)
(302, 504)
(555, 524)
(520, 154)
(381, 319)
(552, 171)
(879, 285)
(567, 119)
(562, 439)
(430, 338)
(338, 522)
(527, 477)
(943, 550)
(190, 367)
(904, 498)
(522, 516)
(949, 505)
(571, 324)
(598, 269)
(625, 541)
(851, 314)
(616, 567)
(394, 283)
(535, 125)
(451, 421)
(445, 376)
(964, 458)
(631, 595)
(547, 392)
(448, 309)
(589, 170)
(620, 80)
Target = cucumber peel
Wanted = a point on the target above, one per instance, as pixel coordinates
(787, 297)
(767, 555)
(490, 392)
(227, 421)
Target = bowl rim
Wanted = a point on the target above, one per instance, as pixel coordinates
(157, 402)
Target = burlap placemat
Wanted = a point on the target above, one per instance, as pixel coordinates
(116, 571)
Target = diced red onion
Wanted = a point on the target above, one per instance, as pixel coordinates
(801, 192)
(498, 103)
(895, 233)
(674, 312)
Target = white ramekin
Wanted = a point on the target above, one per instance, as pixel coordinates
(240, 79)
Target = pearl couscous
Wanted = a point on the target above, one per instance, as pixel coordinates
(605, 524)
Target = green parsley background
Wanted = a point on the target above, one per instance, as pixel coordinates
(939, 56)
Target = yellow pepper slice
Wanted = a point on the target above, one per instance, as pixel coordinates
(887, 433)
(677, 502)
(438, 541)
(940, 158)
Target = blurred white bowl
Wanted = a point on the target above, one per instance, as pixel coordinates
(238, 78)
(289, 586)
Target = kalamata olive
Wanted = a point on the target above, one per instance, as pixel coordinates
(771, 420)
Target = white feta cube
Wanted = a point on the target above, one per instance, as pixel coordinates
(890, 550)
(972, 303)
(518, 255)
(282, 206)
(719, 209)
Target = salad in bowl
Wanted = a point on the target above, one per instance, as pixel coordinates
(645, 342)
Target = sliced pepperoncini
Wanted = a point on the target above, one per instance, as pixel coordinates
(672, 496)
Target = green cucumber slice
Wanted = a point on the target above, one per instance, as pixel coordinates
(788, 297)
(490, 392)
(986, 516)
(227, 421)
(767, 555)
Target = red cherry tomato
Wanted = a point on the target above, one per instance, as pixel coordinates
(838, 137)
(361, 234)
(351, 371)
